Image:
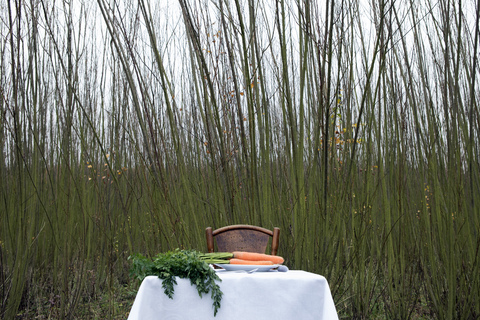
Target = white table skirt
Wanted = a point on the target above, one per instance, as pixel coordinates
(288, 295)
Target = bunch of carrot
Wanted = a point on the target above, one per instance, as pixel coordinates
(241, 257)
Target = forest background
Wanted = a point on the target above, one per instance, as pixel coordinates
(130, 126)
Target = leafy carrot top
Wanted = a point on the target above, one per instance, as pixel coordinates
(181, 263)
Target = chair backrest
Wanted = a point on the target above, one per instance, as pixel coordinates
(242, 237)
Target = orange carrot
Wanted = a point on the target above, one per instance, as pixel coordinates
(256, 262)
(252, 256)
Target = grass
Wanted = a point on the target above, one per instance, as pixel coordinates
(114, 304)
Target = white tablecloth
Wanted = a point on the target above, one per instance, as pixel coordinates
(288, 295)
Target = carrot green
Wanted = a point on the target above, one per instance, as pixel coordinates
(179, 263)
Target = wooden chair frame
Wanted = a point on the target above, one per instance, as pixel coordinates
(242, 237)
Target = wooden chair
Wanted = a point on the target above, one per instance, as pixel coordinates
(242, 237)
